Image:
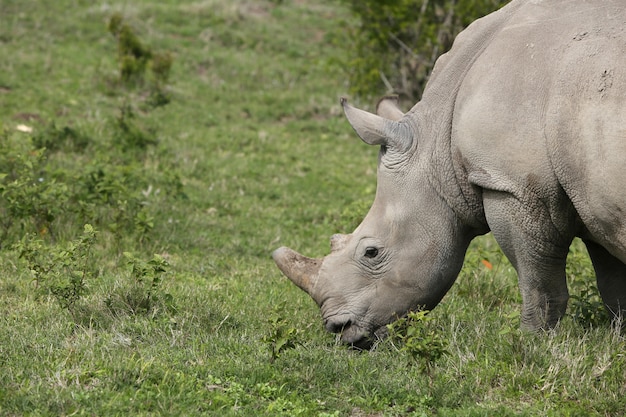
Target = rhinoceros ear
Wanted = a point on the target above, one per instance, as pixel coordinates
(388, 108)
(376, 130)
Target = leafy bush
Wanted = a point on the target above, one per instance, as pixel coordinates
(419, 338)
(282, 336)
(144, 294)
(31, 198)
(585, 306)
(65, 138)
(46, 194)
(61, 270)
(396, 42)
(128, 134)
(135, 59)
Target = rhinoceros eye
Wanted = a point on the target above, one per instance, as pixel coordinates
(371, 252)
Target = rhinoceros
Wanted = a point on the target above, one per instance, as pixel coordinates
(521, 132)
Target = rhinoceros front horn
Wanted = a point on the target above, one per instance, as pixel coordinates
(301, 270)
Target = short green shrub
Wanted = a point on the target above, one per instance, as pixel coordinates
(160, 67)
(419, 338)
(585, 306)
(65, 138)
(144, 293)
(129, 134)
(396, 42)
(133, 56)
(31, 197)
(60, 178)
(136, 60)
(61, 270)
(282, 336)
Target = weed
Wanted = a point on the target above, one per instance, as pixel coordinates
(128, 134)
(65, 138)
(61, 271)
(135, 59)
(133, 56)
(419, 338)
(41, 190)
(145, 293)
(160, 67)
(512, 325)
(586, 306)
(31, 198)
(110, 196)
(144, 223)
(281, 336)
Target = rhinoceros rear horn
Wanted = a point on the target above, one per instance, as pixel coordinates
(301, 270)
(377, 130)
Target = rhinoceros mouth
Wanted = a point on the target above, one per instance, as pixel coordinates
(352, 333)
(363, 340)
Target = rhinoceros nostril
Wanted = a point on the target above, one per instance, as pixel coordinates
(337, 326)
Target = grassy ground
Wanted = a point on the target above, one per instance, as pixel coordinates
(250, 153)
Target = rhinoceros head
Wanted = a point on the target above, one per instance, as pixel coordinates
(405, 254)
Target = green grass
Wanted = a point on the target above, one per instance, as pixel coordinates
(251, 153)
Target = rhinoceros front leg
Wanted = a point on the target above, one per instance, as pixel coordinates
(527, 235)
(611, 277)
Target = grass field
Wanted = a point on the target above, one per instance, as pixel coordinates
(242, 150)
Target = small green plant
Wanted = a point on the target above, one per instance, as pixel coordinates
(160, 67)
(31, 197)
(128, 133)
(109, 195)
(282, 336)
(135, 59)
(59, 177)
(586, 306)
(144, 223)
(145, 293)
(62, 271)
(419, 339)
(133, 56)
(65, 138)
(512, 324)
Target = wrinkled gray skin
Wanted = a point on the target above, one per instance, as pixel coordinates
(521, 131)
